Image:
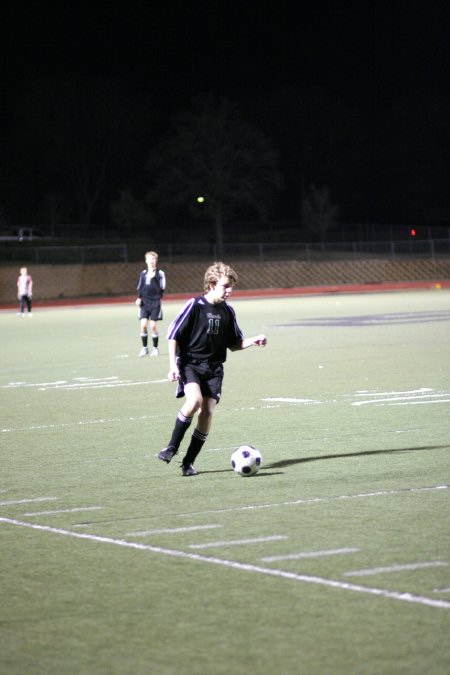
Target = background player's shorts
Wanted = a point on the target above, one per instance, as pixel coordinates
(209, 378)
(153, 312)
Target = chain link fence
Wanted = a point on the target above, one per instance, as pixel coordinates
(32, 253)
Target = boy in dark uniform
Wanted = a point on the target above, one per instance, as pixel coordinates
(151, 285)
(198, 339)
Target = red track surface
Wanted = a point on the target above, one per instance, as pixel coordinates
(261, 293)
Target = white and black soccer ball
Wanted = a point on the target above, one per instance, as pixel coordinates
(246, 460)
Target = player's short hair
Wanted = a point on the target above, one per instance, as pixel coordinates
(151, 253)
(217, 270)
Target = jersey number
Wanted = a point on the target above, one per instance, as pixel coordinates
(213, 326)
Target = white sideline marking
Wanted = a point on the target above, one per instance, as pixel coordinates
(310, 554)
(75, 510)
(395, 568)
(291, 400)
(316, 500)
(366, 392)
(405, 400)
(16, 385)
(238, 542)
(173, 530)
(81, 383)
(28, 501)
(101, 385)
(82, 423)
(442, 400)
(405, 597)
(63, 425)
(420, 396)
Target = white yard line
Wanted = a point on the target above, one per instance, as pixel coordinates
(81, 383)
(317, 500)
(395, 568)
(291, 400)
(172, 530)
(83, 423)
(422, 390)
(255, 569)
(310, 554)
(238, 542)
(442, 400)
(13, 502)
(406, 400)
(110, 385)
(56, 512)
(401, 398)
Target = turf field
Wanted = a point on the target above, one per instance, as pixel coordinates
(333, 559)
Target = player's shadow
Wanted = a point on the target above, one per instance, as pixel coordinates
(365, 453)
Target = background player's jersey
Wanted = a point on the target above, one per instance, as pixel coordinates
(151, 287)
(24, 284)
(204, 331)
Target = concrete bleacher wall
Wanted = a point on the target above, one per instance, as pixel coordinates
(53, 282)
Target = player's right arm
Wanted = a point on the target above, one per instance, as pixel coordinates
(139, 288)
(173, 373)
(173, 337)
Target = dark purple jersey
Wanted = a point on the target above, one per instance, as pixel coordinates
(151, 286)
(204, 331)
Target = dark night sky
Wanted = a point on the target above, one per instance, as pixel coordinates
(364, 51)
(386, 64)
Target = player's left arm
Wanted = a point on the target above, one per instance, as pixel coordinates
(256, 341)
(239, 341)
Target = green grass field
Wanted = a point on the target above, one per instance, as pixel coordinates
(333, 559)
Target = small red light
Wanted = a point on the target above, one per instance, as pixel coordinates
(412, 232)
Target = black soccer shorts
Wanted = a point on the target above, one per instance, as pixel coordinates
(153, 312)
(208, 376)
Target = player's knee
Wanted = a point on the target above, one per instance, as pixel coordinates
(194, 401)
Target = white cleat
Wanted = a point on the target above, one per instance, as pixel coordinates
(144, 351)
(155, 351)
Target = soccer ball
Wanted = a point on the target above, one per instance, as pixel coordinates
(246, 460)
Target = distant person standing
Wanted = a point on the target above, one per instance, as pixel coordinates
(24, 291)
(150, 288)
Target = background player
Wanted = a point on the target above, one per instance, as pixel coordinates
(24, 290)
(151, 285)
(198, 341)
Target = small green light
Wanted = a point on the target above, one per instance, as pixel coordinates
(200, 200)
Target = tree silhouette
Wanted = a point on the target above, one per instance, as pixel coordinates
(130, 214)
(212, 152)
(318, 213)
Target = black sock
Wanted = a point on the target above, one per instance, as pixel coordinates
(196, 444)
(144, 338)
(155, 341)
(182, 424)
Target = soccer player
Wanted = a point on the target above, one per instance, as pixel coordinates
(24, 291)
(150, 288)
(198, 339)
